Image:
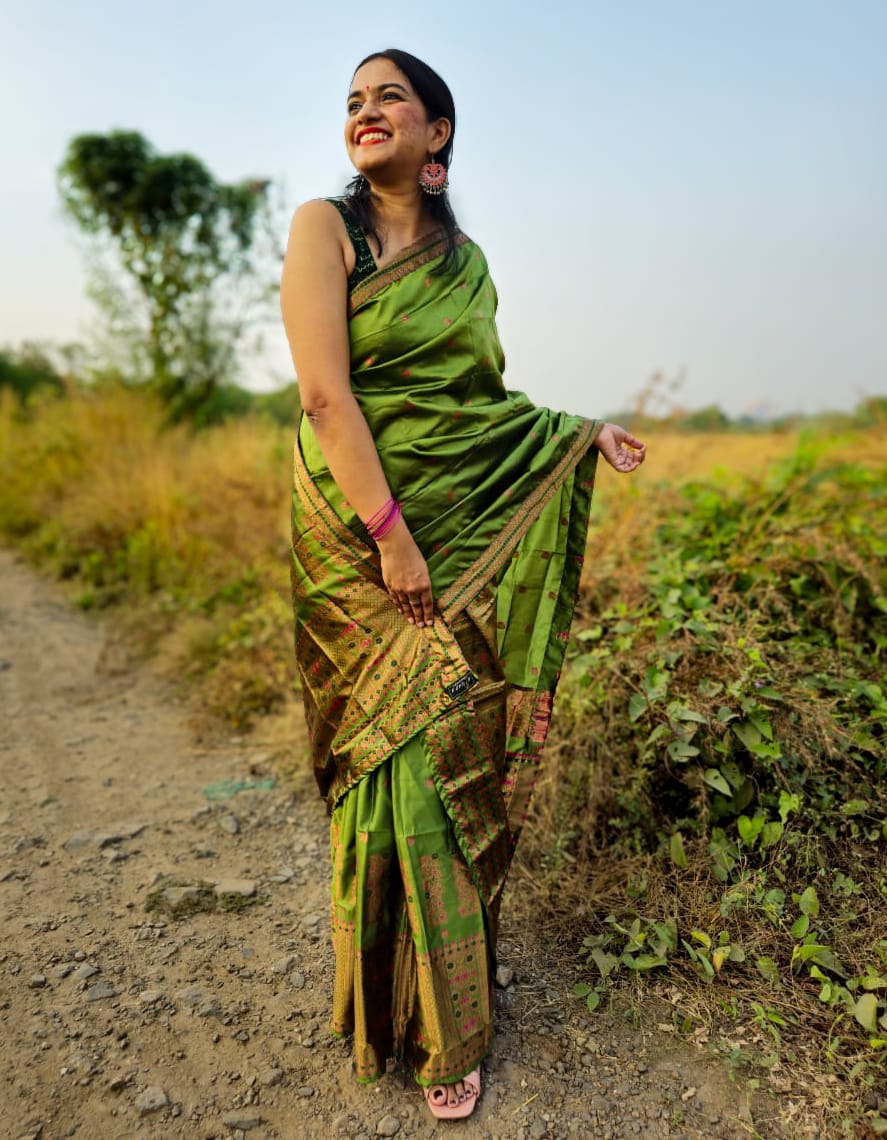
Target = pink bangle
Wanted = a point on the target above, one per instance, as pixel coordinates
(384, 520)
(381, 514)
(387, 524)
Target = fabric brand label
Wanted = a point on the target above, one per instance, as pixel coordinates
(461, 686)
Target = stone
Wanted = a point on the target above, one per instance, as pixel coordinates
(241, 1121)
(150, 997)
(101, 991)
(63, 970)
(124, 831)
(191, 995)
(504, 976)
(538, 1129)
(236, 888)
(87, 970)
(389, 1125)
(306, 1090)
(37, 981)
(153, 1099)
(229, 824)
(270, 1077)
(284, 875)
(78, 840)
(284, 965)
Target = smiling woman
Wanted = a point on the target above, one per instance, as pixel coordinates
(439, 524)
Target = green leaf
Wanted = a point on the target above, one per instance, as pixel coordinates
(581, 989)
(855, 807)
(733, 774)
(667, 936)
(762, 723)
(800, 926)
(771, 833)
(637, 706)
(826, 957)
(676, 848)
(725, 714)
(644, 961)
(768, 970)
(809, 902)
(715, 780)
(749, 829)
(593, 1000)
(865, 1010)
(681, 712)
(680, 750)
(747, 733)
(789, 802)
(604, 962)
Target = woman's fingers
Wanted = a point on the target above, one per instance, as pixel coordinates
(623, 451)
(418, 609)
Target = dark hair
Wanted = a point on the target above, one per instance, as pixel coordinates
(437, 100)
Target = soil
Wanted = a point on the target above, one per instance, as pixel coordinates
(164, 963)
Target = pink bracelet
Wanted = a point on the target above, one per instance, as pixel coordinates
(381, 514)
(387, 524)
(384, 520)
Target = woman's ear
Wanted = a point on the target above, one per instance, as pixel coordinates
(440, 134)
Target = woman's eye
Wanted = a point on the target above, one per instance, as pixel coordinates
(353, 107)
(391, 96)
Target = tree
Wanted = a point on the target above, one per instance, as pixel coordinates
(186, 243)
(28, 370)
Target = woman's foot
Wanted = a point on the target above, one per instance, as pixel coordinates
(455, 1101)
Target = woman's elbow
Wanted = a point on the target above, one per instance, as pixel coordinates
(320, 406)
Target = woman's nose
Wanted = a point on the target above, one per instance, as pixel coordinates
(369, 110)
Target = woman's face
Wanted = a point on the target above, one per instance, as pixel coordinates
(387, 131)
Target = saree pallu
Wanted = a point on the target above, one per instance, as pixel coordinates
(426, 742)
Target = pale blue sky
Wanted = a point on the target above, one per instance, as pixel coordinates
(681, 184)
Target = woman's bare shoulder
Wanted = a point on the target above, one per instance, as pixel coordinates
(317, 213)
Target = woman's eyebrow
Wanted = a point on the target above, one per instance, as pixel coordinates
(382, 87)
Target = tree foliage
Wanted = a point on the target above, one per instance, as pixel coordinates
(27, 370)
(186, 243)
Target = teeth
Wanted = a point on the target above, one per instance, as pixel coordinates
(373, 136)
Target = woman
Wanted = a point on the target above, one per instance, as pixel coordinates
(439, 525)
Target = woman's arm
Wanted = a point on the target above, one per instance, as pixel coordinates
(313, 300)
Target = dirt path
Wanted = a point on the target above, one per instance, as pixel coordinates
(118, 1021)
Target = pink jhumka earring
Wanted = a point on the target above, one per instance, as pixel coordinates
(433, 177)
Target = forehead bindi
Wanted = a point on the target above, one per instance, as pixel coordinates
(377, 73)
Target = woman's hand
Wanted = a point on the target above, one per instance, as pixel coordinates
(406, 576)
(610, 441)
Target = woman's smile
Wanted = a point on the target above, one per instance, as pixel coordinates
(371, 135)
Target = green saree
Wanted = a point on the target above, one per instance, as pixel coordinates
(426, 742)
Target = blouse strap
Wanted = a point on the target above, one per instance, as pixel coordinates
(364, 262)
